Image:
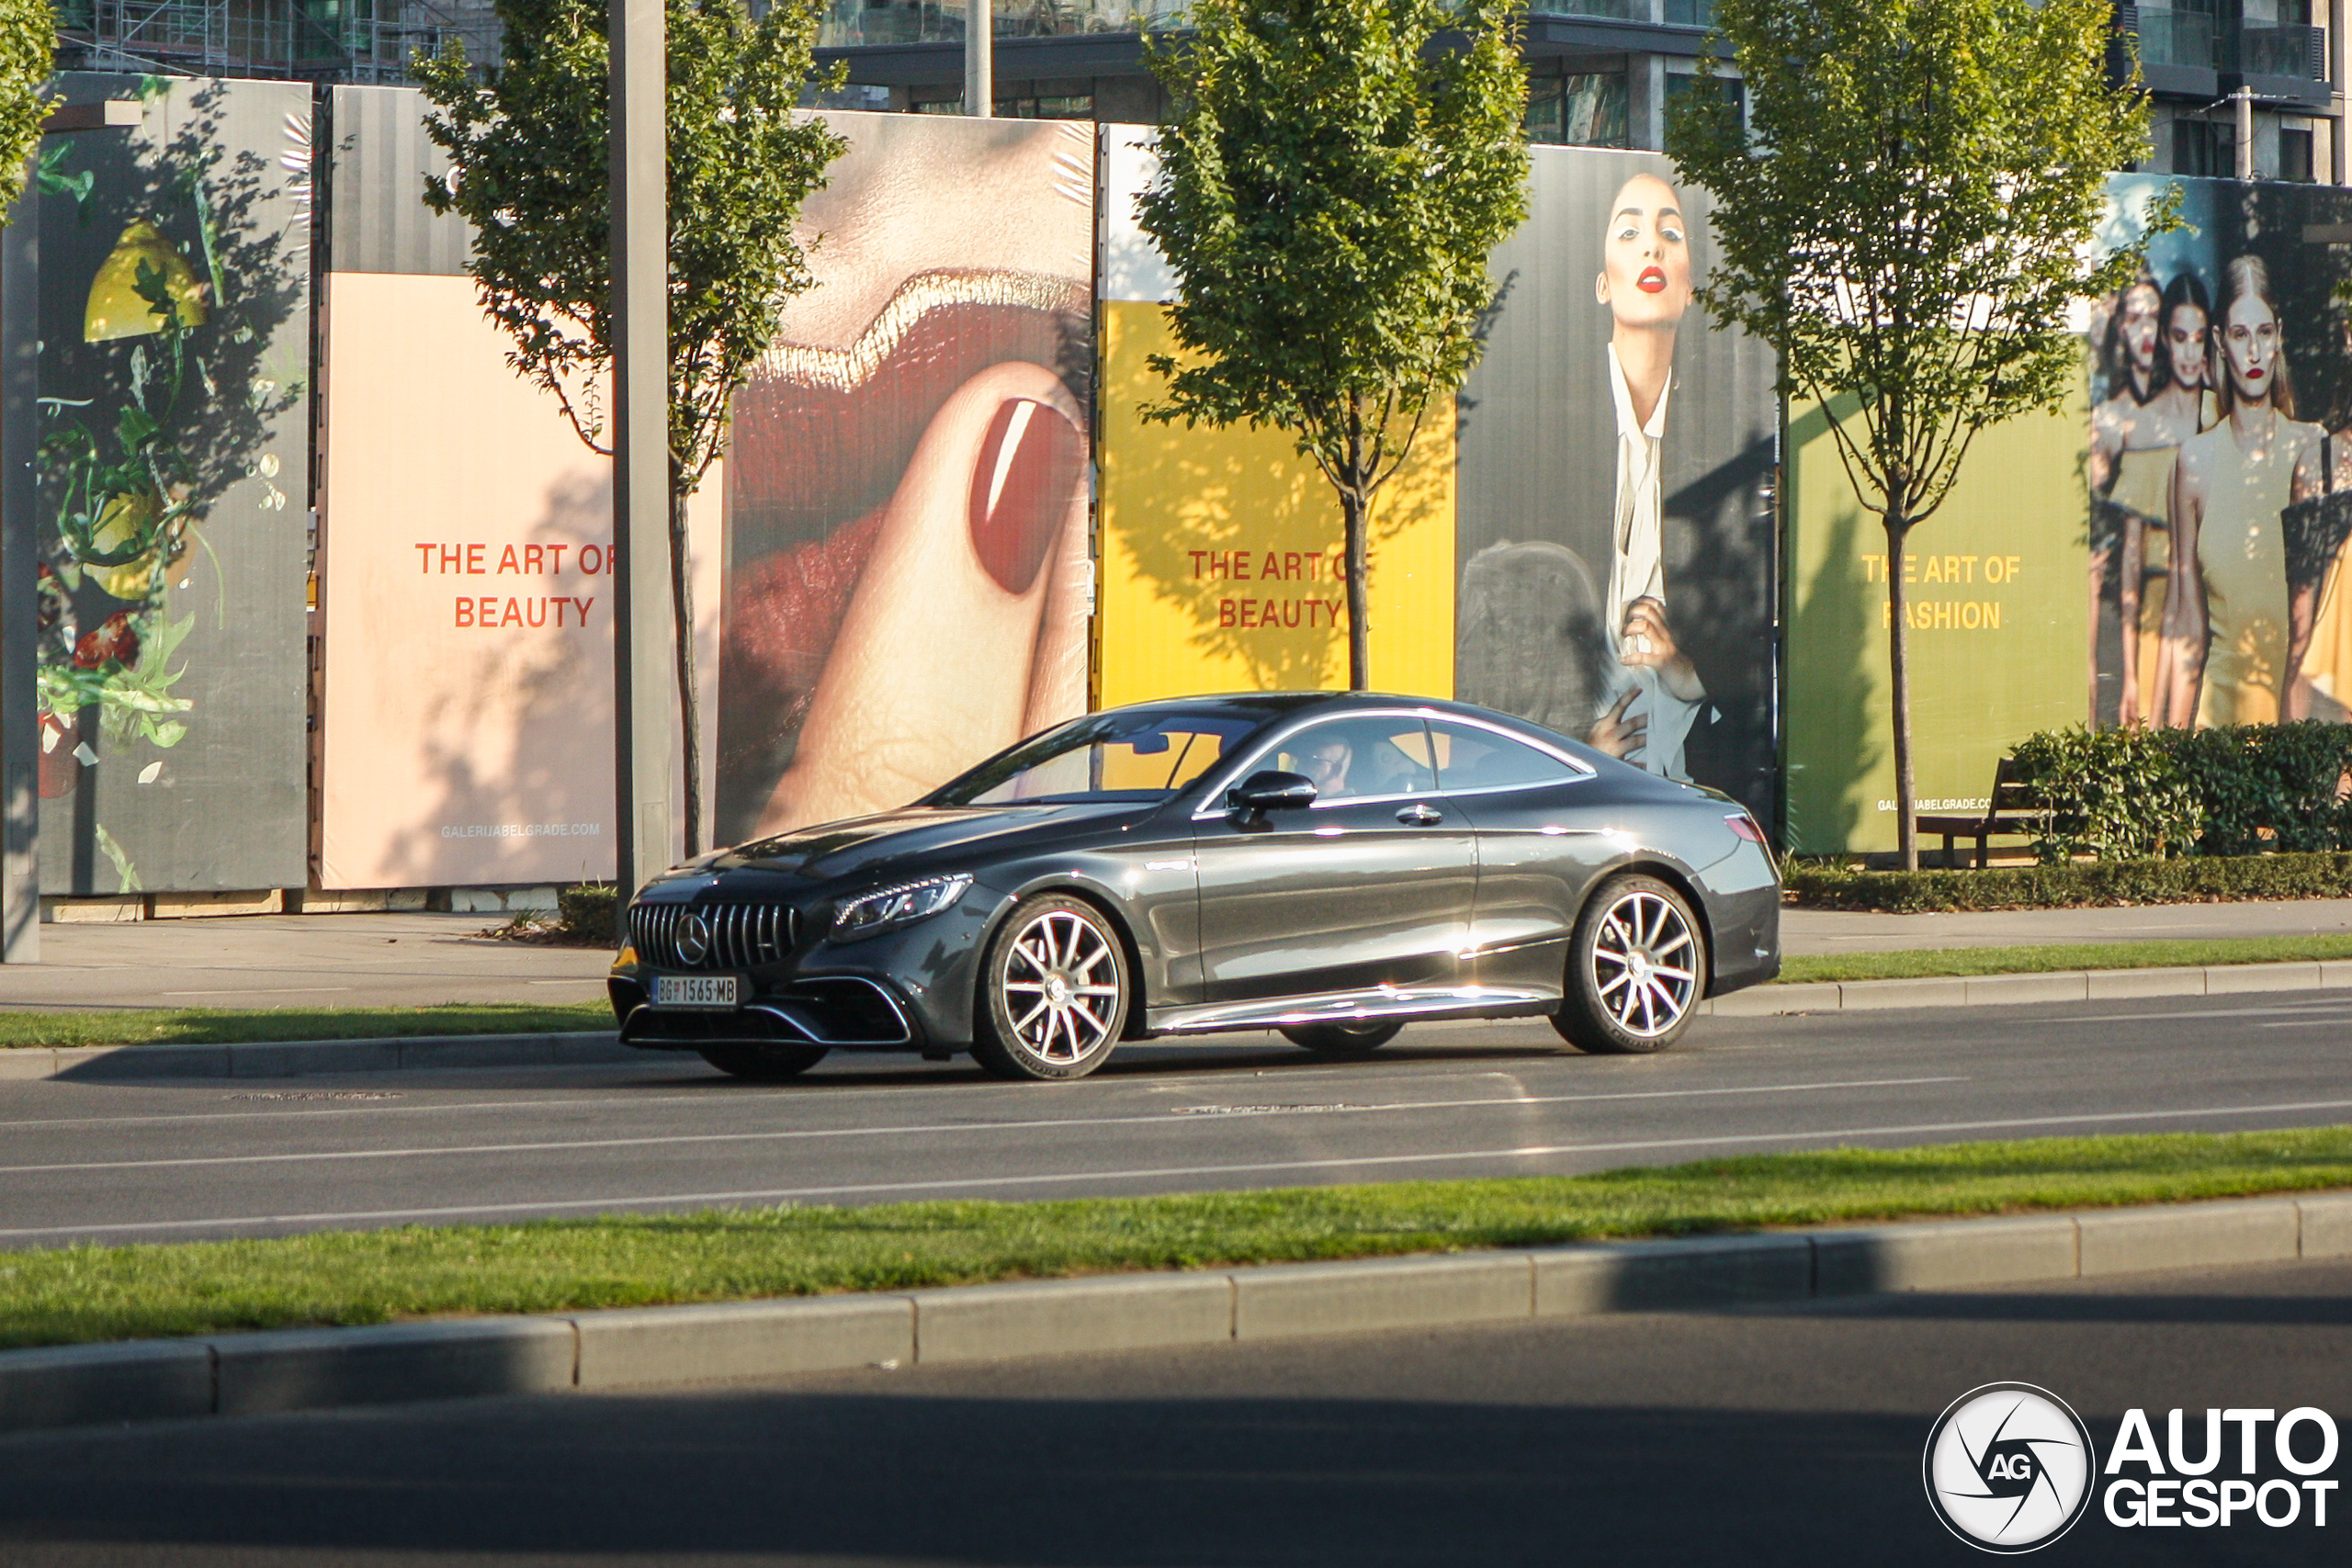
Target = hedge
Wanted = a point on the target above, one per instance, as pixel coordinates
(589, 915)
(2196, 879)
(2236, 790)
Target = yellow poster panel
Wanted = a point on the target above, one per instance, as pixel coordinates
(1221, 553)
(2000, 619)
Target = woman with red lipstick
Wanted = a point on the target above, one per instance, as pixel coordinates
(1654, 693)
(2227, 624)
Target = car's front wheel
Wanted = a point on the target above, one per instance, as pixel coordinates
(1636, 969)
(762, 1064)
(1053, 991)
(1343, 1039)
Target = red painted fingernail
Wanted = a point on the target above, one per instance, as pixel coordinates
(1021, 489)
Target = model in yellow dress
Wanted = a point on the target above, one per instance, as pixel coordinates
(2227, 620)
(2158, 364)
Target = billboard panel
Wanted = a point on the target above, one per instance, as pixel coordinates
(1997, 628)
(466, 580)
(906, 572)
(2221, 385)
(174, 472)
(1615, 543)
(1223, 555)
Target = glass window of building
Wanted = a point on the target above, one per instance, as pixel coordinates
(1585, 109)
(2295, 157)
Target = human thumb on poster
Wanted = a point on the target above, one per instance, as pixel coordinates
(938, 660)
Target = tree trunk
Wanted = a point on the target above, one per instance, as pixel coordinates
(1355, 507)
(1898, 664)
(681, 607)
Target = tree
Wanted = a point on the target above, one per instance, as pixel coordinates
(1907, 218)
(28, 60)
(1336, 173)
(527, 150)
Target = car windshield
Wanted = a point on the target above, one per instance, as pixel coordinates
(1139, 756)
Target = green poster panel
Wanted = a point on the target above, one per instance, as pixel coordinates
(1999, 614)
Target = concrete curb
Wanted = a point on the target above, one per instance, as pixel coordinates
(297, 1058)
(238, 1374)
(2014, 990)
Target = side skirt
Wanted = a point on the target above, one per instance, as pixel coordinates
(1349, 1006)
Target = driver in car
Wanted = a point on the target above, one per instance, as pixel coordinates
(1326, 761)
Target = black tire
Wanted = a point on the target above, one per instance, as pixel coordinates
(1053, 994)
(1637, 968)
(762, 1064)
(1343, 1039)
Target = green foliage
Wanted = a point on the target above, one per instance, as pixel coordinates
(2114, 793)
(2267, 786)
(529, 150)
(1909, 217)
(27, 58)
(79, 1294)
(246, 1026)
(589, 913)
(1336, 173)
(2197, 879)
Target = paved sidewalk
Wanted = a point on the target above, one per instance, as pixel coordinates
(297, 961)
(1814, 931)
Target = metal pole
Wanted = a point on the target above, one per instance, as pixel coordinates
(644, 705)
(980, 58)
(20, 630)
(2245, 100)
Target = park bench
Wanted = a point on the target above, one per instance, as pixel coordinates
(2011, 812)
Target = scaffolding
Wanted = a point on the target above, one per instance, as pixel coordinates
(315, 40)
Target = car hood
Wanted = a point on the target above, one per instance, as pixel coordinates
(915, 833)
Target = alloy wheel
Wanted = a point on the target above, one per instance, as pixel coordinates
(1643, 963)
(1062, 990)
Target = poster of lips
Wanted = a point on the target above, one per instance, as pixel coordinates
(907, 488)
(173, 473)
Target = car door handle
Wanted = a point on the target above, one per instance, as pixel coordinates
(1419, 814)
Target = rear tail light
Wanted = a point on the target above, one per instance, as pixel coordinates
(1744, 826)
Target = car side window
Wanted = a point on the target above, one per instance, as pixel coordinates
(1352, 758)
(1471, 758)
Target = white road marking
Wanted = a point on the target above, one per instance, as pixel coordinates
(781, 1194)
(262, 991)
(1159, 1118)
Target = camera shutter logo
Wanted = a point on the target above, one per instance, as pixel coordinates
(2010, 1467)
(693, 939)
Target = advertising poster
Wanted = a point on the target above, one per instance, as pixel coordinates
(466, 693)
(1615, 546)
(1222, 559)
(908, 487)
(2222, 390)
(174, 482)
(1997, 622)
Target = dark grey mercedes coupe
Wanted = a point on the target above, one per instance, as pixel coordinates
(1330, 865)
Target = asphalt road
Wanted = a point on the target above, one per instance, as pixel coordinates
(1754, 1437)
(164, 1161)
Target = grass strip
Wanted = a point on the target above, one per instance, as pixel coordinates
(86, 1294)
(1923, 963)
(237, 1026)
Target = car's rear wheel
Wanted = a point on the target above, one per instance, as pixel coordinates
(1343, 1039)
(762, 1064)
(1636, 969)
(1053, 991)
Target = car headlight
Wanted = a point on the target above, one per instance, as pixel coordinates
(896, 906)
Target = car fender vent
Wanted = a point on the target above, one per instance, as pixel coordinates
(712, 936)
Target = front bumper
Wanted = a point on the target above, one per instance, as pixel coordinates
(909, 989)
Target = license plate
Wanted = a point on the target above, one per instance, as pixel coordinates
(698, 990)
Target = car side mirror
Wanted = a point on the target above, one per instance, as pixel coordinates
(1271, 791)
